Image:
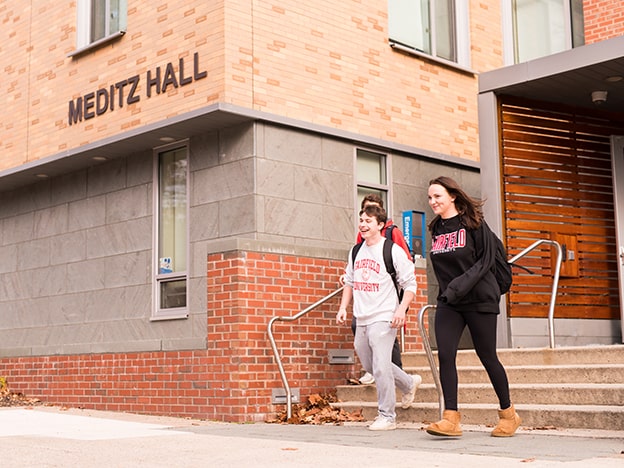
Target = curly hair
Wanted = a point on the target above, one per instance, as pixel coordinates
(372, 198)
(376, 212)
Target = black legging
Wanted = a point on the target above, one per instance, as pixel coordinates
(396, 349)
(449, 325)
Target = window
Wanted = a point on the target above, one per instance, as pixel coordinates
(99, 21)
(436, 28)
(371, 173)
(543, 27)
(171, 247)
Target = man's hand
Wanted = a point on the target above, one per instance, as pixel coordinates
(399, 318)
(341, 316)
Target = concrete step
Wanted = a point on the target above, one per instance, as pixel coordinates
(581, 387)
(533, 415)
(613, 354)
(544, 394)
(586, 373)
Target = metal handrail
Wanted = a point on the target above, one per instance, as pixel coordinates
(432, 364)
(276, 352)
(551, 315)
(555, 286)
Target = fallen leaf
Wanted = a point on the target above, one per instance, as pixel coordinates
(317, 410)
(544, 428)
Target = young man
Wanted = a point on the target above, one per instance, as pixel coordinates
(372, 199)
(379, 314)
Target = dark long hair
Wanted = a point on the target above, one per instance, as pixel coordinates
(470, 209)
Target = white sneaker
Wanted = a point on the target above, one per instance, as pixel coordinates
(408, 398)
(367, 379)
(381, 423)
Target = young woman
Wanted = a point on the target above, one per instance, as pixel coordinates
(462, 256)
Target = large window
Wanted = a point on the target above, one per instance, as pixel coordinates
(171, 196)
(99, 21)
(371, 173)
(543, 27)
(436, 28)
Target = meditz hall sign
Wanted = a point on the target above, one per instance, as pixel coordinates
(126, 91)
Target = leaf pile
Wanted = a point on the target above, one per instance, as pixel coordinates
(9, 398)
(317, 410)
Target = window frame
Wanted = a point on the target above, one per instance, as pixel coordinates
(370, 187)
(460, 33)
(84, 26)
(510, 52)
(159, 279)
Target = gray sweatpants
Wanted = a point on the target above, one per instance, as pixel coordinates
(373, 345)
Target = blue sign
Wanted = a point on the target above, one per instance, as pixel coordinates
(407, 228)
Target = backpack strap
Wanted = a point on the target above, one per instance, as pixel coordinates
(355, 250)
(387, 254)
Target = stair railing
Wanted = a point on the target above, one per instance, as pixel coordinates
(555, 285)
(551, 315)
(276, 352)
(429, 352)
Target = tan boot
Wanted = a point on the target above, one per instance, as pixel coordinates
(508, 422)
(447, 426)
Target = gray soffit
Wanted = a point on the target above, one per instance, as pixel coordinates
(208, 119)
(566, 78)
(124, 144)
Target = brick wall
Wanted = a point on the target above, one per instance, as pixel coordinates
(604, 19)
(333, 70)
(232, 379)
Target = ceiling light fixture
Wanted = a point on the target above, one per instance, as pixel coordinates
(599, 97)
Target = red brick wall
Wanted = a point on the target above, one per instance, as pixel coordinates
(232, 379)
(604, 19)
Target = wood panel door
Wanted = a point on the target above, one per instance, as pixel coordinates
(557, 183)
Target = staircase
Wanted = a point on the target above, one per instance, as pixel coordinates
(575, 387)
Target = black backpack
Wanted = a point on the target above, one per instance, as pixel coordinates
(502, 268)
(387, 255)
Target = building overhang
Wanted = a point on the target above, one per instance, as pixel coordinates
(566, 78)
(123, 144)
(208, 119)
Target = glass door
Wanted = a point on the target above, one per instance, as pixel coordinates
(617, 162)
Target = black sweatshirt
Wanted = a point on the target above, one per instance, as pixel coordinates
(463, 261)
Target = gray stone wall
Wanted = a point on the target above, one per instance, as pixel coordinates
(76, 275)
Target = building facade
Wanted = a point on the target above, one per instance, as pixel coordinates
(551, 159)
(176, 174)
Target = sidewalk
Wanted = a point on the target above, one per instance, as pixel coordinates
(53, 437)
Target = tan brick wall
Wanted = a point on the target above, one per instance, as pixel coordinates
(323, 62)
(47, 80)
(232, 379)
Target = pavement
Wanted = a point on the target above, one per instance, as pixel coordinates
(45, 437)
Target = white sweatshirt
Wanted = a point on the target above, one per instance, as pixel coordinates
(374, 295)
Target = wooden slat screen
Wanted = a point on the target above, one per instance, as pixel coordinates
(557, 178)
